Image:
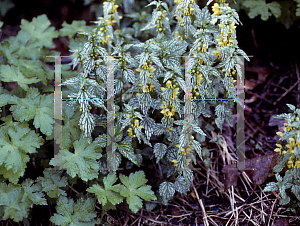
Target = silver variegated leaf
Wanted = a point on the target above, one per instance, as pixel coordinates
(166, 191)
(149, 126)
(198, 148)
(159, 151)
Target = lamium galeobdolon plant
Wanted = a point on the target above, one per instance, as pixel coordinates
(147, 99)
(288, 147)
(154, 102)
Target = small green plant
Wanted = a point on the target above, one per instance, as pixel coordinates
(151, 90)
(289, 161)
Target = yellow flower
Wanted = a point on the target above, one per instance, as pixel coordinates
(175, 92)
(231, 27)
(233, 83)
(147, 89)
(136, 123)
(182, 151)
(152, 86)
(169, 84)
(173, 110)
(290, 163)
(114, 8)
(151, 69)
(292, 141)
(130, 133)
(279, 134)
(175, 162)
(164, 111)
(163, 105)
(278, 150)
(199, 78)
(217, 54)
(170, 114)
(297, 164)
(145, 66)
(288, 128)
(106, 39)
(216, 9)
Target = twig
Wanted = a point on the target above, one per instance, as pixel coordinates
(250, 219)
(202, 207)
(272, 211)
(283, 95)
(260, 97)
(204, 213)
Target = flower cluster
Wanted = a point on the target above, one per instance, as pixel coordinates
(112, 20)
(184, 151)
(197, 71)
(134, 123)
(168, 109)
(147, 66)
(189, 11)
(293, 161)
(103, 31)
(224, 39)
(160, 27)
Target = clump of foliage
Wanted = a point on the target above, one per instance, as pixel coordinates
(151, 91)
(288, 147)
(285, 11)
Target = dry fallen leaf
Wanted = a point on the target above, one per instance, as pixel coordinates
(281, 222)
(277, 122)
(260, 165)
(263, 73)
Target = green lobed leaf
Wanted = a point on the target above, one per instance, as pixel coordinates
(82, 213)
(82, 163)
(35, 108)
(134, 189)
(39, 31)
(52, 182)
(108, 193)
(14, 146)
(13, 74)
